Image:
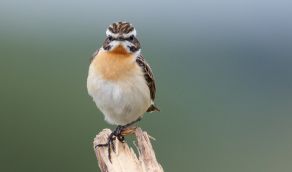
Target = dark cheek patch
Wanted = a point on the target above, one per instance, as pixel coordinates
(136, 45)
(106, 45)
(133, 48)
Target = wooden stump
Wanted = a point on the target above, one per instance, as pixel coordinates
(125, 159)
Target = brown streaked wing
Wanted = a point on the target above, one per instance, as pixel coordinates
(148, 75)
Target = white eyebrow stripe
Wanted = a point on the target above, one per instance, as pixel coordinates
(115, 35)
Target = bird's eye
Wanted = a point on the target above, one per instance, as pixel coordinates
(110, 38)
(131, 38)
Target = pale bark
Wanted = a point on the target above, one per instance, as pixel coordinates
(125, 159)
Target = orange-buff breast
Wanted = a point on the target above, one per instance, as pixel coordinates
(115, 65)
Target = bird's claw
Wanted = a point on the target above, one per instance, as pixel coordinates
(120, 132)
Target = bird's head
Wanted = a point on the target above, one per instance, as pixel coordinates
(121, 38)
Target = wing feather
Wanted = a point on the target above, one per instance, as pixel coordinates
(148, 75)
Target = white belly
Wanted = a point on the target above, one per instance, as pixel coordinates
(121, 101)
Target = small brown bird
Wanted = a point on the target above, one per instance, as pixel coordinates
(120, 81)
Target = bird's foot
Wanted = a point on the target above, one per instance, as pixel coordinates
(120, 132)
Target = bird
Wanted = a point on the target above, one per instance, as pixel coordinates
(121, 82)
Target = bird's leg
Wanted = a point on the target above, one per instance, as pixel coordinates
(127, 130)
(120, 132)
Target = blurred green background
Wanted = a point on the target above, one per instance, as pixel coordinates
(223, 71)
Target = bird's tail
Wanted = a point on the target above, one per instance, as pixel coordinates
(153, 108)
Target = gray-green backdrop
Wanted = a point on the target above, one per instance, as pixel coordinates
(223, 71)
